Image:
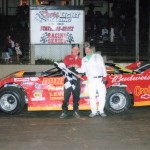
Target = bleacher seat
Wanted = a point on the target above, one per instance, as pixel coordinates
(5, 56)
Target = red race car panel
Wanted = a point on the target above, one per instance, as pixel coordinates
(137, 84)
(46, 93)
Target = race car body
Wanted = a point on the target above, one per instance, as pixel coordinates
(128, 88)
(44, 90)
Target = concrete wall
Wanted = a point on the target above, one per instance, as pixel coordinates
(7, 69)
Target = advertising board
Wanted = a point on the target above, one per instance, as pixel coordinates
(56, 25)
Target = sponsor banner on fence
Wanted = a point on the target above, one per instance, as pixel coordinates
(56, 26)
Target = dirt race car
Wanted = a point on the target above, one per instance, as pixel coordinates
(44, 90)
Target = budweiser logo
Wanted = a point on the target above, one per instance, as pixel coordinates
(119, 78)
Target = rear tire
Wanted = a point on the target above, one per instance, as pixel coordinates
(12, 100)
(117, 100)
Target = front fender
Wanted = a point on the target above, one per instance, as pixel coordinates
(122, 85)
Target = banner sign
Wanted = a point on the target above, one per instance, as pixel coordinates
(52, 26)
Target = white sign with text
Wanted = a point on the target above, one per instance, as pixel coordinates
(57, 26)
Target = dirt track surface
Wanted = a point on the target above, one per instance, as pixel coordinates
(45, 131)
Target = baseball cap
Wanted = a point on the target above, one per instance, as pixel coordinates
(75, 45)
(86, 44)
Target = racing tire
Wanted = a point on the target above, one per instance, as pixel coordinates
(12, 100)
(117, 100)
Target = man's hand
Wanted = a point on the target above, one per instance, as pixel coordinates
(61, 65)
(104, 80)
(79, 76)
(76, 66)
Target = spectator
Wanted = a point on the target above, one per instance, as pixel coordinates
(105, 34)
(18, 52)
(10, 46)
(104, 31)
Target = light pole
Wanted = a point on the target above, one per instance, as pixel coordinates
(149, 34)
(137, 32)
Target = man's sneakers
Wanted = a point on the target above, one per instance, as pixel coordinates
(103, 115)
(97, 114)
(92, 115)
(63, 115)
(76, 115)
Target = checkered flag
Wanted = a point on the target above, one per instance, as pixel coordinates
(70, 81)
(70, 76)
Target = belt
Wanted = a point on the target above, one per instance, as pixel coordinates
(97, 77)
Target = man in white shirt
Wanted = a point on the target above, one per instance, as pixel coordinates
(94, 68)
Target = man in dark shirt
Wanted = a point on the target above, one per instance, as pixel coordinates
(72, 62)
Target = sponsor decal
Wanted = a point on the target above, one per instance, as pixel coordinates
(45, 16)
(21, 79)
(54, 38)
(56, 92)
(37, 86)
(54, 81)
(57, 28)
(145, 96)
(119, 78)
(37, 93)
(41, 86)
(38, 96)
(34, 78)
(144, 93)
(38, 99)
(56, 88)
(141, 91)
(27, 83)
